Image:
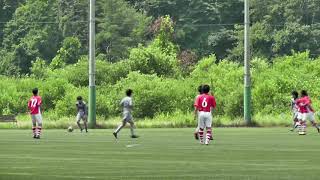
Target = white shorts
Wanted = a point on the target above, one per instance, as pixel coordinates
(127, 117)
(36, 119)
(204, 120)
(295, 115)
(81, 115)
(306, 116)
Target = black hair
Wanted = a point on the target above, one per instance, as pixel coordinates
(79, 98)
(295, 94)
(200, 89)
(206, 88)
(35, 91)
(129, 92)
(304, 93)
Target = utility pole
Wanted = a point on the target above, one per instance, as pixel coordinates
(92, 67)
(247, 79)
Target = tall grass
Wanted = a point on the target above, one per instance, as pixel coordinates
(177, 119)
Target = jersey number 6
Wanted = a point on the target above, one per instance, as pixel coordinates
(204, 102)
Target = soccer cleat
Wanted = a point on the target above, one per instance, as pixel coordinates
(196, 136)
(318, 129)
(115, 135)
(134, 136)
(34, 136)
(211, 138)
(37, 137)
(86, 131)
(81, 130)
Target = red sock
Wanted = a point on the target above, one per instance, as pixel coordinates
(34, 129)
(201, 135)
(39, 130)
(209, 134)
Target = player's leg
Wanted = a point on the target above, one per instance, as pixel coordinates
(123, 124)
(303, 124)
(299, 118)
(295, 121)
(201, 126)
(132, 127)
(313, 121)
(34, 126)
(208, 124)
(85, 122)
(196, 131)
(78, 118)
(39, 127)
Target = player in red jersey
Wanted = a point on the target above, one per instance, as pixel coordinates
(34, 106)
(204, 104)
(306, 112)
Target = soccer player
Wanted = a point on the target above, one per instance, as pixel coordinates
(127, 105)
(82, 113)
(205, 103)
(34, 106)
(294, 110)
(306, 112)
(196, 132)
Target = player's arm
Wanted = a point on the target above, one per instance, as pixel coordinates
(213, 103)
(39, 101)
(196, 107)
(121, 102)
(131, 103)
(29, 105)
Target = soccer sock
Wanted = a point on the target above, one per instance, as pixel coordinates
(34, 130)
(201, 135)
(303, 127)
(79, 125)
(39, 128)
(86, 126)
(295, 124)
(208, 135)
(132, 130)
(119, 128)
(196, 130)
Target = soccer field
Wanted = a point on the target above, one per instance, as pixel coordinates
(236, 153)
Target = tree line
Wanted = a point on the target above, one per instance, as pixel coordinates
(51, 29)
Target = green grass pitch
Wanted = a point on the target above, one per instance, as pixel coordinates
(236, 153)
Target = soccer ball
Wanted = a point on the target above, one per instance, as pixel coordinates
(70, 129)
(302, 133)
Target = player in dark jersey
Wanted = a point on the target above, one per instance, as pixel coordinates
(82, 113)
(196, 132)
(294, 110)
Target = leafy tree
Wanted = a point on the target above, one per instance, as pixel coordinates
(39, 68)
(119, 28)
(199, 24)
(73, 16)
(32, 33)
(7, 9)
(69, 53)
(160, 56)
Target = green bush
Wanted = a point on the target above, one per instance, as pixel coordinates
(168, 101)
